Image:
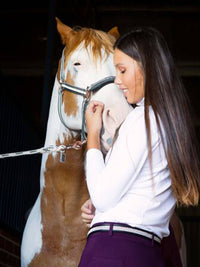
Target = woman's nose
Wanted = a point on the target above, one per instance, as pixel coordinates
(117, 80)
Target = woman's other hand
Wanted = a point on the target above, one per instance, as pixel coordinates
(87, 214)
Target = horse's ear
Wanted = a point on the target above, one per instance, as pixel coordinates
(114, 32)
(65, 31)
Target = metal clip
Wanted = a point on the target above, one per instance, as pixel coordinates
(62, 155)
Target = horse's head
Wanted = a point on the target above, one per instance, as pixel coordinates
(88, 57)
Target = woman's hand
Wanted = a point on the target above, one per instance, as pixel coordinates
(93, 116)
(87, 212)
(93, 119)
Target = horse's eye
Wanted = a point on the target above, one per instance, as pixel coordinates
(77, 64)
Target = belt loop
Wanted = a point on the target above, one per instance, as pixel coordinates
(152, 240)
(111, 229)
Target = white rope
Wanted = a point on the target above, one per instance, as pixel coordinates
(49, 149)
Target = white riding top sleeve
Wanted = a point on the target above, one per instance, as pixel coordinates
(123, 187)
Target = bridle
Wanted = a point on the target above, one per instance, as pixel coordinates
(84, 92)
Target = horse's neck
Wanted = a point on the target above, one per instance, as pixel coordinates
(65, 187)
(56, 132)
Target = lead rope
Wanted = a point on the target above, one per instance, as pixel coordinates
(49, 149)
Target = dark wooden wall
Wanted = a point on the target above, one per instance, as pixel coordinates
(9, 249)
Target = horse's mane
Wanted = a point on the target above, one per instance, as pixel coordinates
(96, 38)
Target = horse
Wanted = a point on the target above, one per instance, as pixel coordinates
(54, 234)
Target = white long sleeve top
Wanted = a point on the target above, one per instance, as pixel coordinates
(122, 187)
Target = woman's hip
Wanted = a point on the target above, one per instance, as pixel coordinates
(121, 249)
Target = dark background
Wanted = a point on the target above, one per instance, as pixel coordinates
(29, 54)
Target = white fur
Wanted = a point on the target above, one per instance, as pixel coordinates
(32, 240)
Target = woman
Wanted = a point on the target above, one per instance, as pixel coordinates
(152, 165)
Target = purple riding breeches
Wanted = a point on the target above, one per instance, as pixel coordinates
(120, 249)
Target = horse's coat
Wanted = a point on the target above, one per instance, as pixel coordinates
(54, 234)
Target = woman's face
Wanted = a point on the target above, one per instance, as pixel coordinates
(129, 77)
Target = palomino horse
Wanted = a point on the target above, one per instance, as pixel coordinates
(54, 234)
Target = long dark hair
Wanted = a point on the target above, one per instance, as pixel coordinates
(165, 92)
